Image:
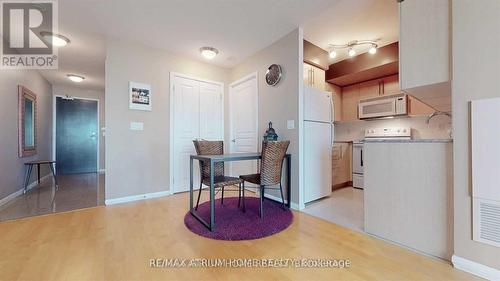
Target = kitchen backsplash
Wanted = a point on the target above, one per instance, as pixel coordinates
(438, 128)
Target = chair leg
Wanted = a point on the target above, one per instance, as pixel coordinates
(222, 198)
(282, 197)
(243, 195)
(261, 201)
(199, 194)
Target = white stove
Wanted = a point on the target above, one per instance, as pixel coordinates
(388, 133)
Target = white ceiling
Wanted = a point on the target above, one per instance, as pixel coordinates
(349, 20)
(238, 28)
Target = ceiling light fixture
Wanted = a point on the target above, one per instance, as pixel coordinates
(75, 78)
(57, 40)
(351, 51)
(209, 52)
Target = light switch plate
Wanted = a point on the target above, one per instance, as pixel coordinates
(290, 124)
(136, 126)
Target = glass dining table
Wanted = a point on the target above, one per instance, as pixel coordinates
(211, 160)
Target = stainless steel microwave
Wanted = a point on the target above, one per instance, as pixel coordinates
(386, 106)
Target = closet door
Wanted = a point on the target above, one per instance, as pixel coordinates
(186, 128)
(211, 112)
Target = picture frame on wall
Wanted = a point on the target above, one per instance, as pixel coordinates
(140, 96)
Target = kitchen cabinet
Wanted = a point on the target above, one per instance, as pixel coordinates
(369, 89)
(350, 99)
(417, 107)
(314, 77)
(341, 164)
(384, 86)
(390, 85)
(424, 42)
(407, 198)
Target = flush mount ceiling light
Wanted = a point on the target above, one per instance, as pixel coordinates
(209, 52)
(75, 78)
(57, 40)
(351, 51)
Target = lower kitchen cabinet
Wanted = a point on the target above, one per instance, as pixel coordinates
(342, 159)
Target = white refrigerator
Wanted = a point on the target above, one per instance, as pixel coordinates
(318, 139)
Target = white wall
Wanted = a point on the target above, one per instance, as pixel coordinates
(62, 90)
(476, 73)
(280, 103)
(11, 166)
(137, 162)
(438, 128)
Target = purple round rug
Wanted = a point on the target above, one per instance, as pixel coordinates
(232, 224)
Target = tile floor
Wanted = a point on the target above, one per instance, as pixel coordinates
(344, 207)
(75, 192)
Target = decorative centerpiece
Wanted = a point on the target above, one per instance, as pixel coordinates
(270, 134)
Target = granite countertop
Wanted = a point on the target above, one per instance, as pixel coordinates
(410, 141)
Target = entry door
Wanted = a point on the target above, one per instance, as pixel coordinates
(76, 136)
(198, 114)
(243, 97)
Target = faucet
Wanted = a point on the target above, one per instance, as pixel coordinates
(436, 113)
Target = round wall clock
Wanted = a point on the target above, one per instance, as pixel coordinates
(273, 75)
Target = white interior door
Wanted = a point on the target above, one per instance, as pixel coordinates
(198, 114)
(211, 112)
(243, 97)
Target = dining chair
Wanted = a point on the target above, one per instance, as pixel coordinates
(204, 147)
(273, 153)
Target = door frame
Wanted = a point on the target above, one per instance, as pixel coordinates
(173, 75)
(231, 133)
(54, 126)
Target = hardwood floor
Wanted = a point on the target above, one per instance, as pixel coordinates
(76, 191)
(117, 243)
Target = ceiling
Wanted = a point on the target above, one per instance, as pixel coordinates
(238, 28)
(349, 20)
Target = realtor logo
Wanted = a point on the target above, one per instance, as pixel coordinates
(23, 26)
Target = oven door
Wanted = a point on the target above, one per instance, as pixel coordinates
(377, 108)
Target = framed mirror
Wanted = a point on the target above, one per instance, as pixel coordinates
(27, 122)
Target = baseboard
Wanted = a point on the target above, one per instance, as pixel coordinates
(475, 268)
(137, 197)
(294, 206)
(11, 196)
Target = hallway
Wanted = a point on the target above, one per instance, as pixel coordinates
(76, 191)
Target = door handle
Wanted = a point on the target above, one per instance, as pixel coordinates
(233, 140)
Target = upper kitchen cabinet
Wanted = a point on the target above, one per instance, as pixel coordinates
(314, 77)
(350, 99)
(390, 85)
(424, 43)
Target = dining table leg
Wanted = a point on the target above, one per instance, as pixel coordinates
(288, 181)
(190, 183)
(212, 197)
